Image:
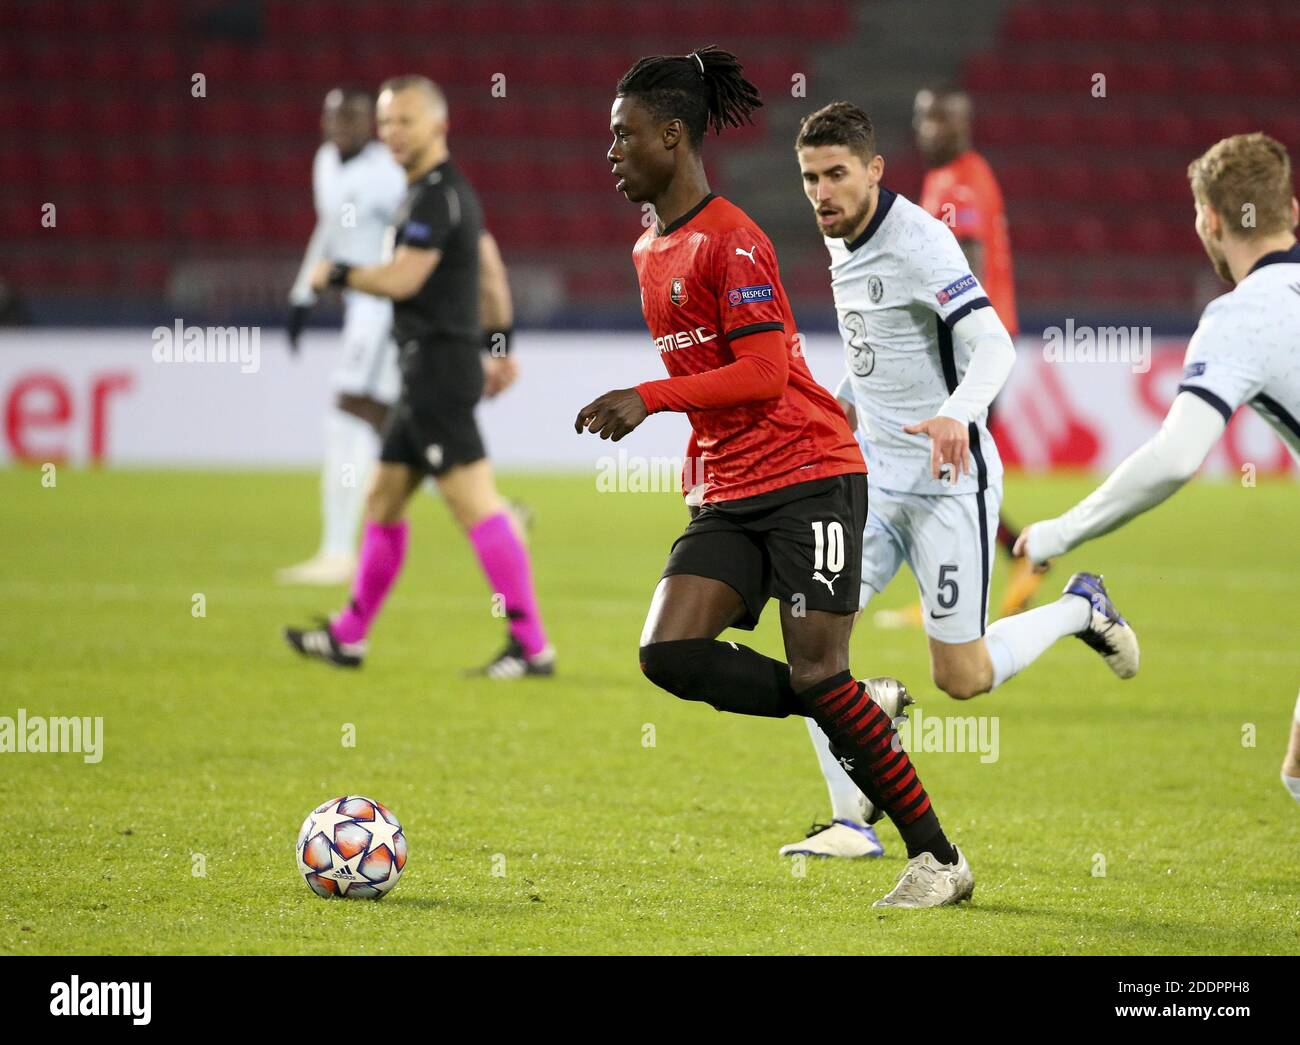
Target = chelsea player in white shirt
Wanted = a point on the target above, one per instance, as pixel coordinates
(357, 187)
(926, 354)
(1246, 349)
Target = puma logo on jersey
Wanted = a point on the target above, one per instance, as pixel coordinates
(749, 253)
(830, 584)
(684, 339)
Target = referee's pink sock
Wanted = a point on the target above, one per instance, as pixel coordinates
(505, 561)
(383, 549)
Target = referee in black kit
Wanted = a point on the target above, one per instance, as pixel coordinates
(448, 283)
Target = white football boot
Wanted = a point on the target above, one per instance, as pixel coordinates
(321, 570)
(842, 838)
(927, 883)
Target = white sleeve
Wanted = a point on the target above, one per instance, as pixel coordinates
(1149, 475)
(941, 275)
(301, 293)
(992, 356)
(844, 390)
(1215, 367)
(318, 246)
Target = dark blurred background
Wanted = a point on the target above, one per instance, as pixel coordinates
(169, 204)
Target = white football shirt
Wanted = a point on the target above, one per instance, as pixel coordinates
(899, 289)
(1246, 348)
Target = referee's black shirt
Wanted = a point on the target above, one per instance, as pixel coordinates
(441, 212)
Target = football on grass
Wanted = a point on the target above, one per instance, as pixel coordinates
(351, 847)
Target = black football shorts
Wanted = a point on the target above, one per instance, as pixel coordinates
(801, 544)
(432, 427)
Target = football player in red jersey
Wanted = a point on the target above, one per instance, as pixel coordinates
(784, 505)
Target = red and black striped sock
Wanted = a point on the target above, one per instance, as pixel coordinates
(868, 747)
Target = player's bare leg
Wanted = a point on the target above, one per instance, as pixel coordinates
(685, 607)
(341, 640)
(350, 451)
(961, 669)
(479, 510)
(389, 493)
(1291, 764)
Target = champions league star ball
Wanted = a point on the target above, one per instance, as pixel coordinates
(351, 847)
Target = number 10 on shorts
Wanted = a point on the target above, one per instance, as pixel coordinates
(828, 550)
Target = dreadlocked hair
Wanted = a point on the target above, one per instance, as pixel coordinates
(703, 89)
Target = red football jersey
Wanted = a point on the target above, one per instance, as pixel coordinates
(965, 195)
(711, 277)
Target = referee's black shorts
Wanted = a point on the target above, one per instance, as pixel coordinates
(801, 544)
(432, 426)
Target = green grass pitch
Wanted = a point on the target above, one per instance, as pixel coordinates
(539, 819)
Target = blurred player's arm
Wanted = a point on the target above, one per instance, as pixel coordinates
(962, 213)
(496, 311)
(974, 251)
(992, 356)
(1152, 473)
(301, 295)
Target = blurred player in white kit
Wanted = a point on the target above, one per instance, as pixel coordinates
(357, 187)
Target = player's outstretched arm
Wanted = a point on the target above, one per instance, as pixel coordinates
(1152, 473)
(992, 356)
